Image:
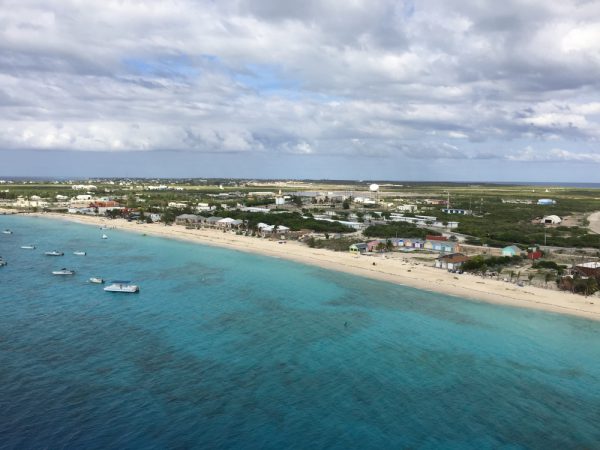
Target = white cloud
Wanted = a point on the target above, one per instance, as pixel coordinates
(553, 155)
(318, 78)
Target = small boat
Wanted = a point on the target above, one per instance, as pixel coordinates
(122, 286)
(79, 253)
(3, 263)
(63, 271)
(7, 231)
(104, 236)
(54, 253)
(96, 280)
(28, 247)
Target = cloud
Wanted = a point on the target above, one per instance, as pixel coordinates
(391, 79)
(528, 154)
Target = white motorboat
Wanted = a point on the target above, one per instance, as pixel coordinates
(122, 286)
(63, 271)
(96, 280)
(7, 231)
(28, 247)
(3, 263)
(79, 253)
(104, 236)
(54, 253)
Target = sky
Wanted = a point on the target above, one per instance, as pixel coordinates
(443, 90)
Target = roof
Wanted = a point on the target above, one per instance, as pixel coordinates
(213, 219)
(553, 217)
(187, 217)
(590, 265)
(454, 258)
(431, 237)
(359, 245)
(512, 247)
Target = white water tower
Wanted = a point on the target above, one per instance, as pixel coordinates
(374, 188)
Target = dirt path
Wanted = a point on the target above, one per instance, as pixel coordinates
(594, 220)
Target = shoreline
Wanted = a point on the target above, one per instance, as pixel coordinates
(399, 269)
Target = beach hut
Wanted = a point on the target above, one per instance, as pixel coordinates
(372, 245)
(418, 243)
(358, 248)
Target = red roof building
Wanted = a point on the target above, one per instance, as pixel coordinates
(431, 237)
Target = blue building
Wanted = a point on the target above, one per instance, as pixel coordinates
(511, 250)
(546, 201)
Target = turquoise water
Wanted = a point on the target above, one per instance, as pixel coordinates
(223, 349)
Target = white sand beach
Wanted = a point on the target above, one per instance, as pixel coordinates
(401, 269)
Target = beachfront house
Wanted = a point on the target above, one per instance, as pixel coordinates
(211, 222)
(229, 223)
(187, 219)
(511, 250)
(441, 246)
(453, 261)
(418, 243)
(358, 248)
(397, 242)
(372, 245)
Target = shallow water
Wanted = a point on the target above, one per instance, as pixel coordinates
(223, 349)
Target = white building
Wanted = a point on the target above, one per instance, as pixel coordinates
(177, 205)
(407, 208)
(551, 220)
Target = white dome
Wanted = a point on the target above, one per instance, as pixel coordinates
(374, 187)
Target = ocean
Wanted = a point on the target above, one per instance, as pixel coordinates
(224, 349)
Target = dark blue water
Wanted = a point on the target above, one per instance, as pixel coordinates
(223, 349)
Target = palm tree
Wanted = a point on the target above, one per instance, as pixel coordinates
(389, 246)
(547, 278)
(530, 277)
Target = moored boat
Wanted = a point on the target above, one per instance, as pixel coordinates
(28, 247)
(79, 253)
(122, 286)
(7, 231)
(63, 271)
(96, 280)
(54, 253)
(2, 262)
(104, 236)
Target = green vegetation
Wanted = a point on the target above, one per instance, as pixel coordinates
(542, 264)
(482, 264)
(337, 245)
(398, 229)
(294, 221)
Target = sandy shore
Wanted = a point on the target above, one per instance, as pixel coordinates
(400, 269)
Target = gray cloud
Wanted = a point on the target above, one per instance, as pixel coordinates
(435, 79)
